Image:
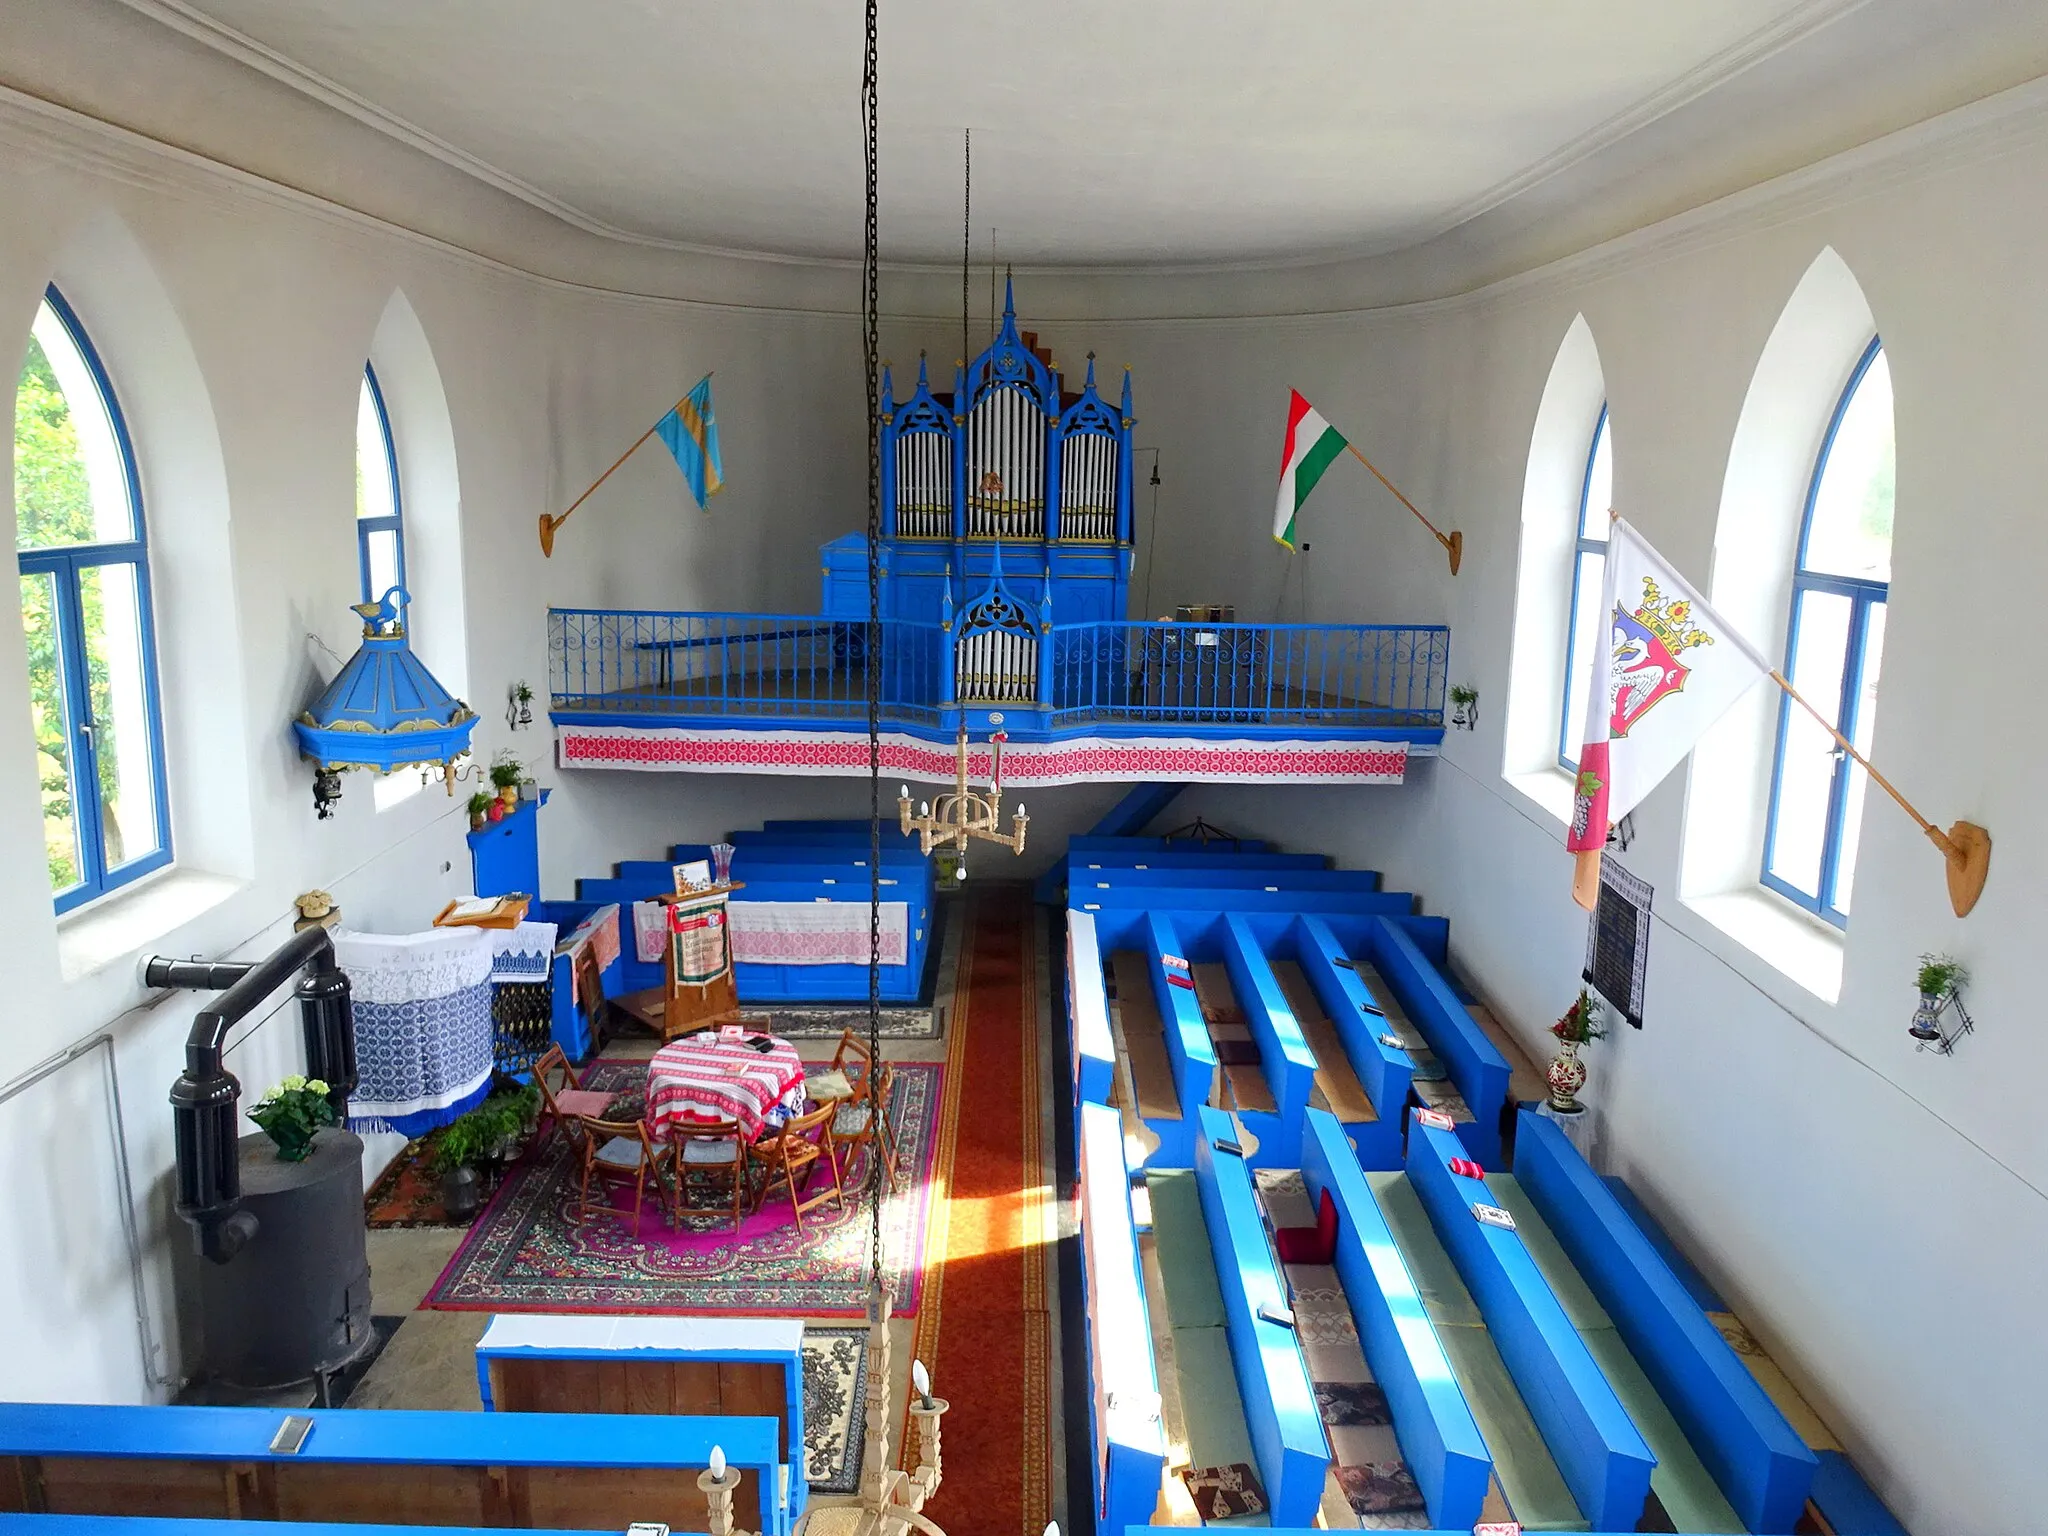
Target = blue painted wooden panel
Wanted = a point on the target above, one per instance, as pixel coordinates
(1123, 1378)
(1840, 1493)
(1187, 1039)
(1696, 1284)
(1762, 1466)
(1222, 877)
(1280, 1411)
(1474, 1062)
(1193, 896)
(1603, 1457)
(1099, 842)
(1383, 1071)
(1182, 857)
(1439, 1438)
(1285, 1057)
(1094, 1044)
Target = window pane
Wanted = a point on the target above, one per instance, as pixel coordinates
(1589, 634)
(70, 477)
(1593, 518)
(1859, 781)
(1806, 765)
(1851, 531)
(52, 731)
(122, 745)
(373, 461)
(381, 550)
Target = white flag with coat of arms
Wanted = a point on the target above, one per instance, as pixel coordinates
(1672, 668)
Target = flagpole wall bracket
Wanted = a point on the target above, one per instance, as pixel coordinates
(1967, 849)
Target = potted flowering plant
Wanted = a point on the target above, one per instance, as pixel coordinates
(1567, 1074)
(506, 772)
(291, 1113)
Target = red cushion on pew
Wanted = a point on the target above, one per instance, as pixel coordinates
(1310, 1245)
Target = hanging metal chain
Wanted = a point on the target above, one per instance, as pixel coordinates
(871, 349)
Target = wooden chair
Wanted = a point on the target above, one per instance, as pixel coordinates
(618, 1152)
(560, 1101)
(715, 1157)
(852, 1059)
(863, 1121)
(802, 1145)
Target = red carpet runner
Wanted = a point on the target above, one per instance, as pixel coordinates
(983, 1330)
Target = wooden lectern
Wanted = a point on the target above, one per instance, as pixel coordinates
(687, 999)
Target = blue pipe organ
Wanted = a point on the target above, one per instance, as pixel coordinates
(1011, 474)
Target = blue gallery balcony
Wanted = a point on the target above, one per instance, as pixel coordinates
(1113, 701)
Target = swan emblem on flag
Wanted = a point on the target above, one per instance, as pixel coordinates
(1647, 645)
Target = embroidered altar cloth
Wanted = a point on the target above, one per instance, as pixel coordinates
(423, 1025)
(816, 932)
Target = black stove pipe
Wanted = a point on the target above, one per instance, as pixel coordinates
(205, 1100)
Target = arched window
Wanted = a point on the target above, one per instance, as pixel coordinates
(380, 525)
(1589, 569)
(81, 542)
(1839, 589)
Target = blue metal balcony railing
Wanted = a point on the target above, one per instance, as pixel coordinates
(1261, 674)
(805, 666)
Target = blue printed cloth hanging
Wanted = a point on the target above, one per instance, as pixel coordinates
(423, 1026)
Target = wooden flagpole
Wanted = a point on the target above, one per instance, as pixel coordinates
(1965, 845)
(1453, 543)
(548, 525)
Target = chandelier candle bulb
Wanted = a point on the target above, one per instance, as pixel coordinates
(921, 1379)
(718, 1463)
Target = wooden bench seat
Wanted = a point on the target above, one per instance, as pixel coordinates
(1337, 1086)
(1141, 1034)
(1526, 1084)
(1243, 1081)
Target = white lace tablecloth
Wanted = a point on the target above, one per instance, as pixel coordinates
(423, 1025)
(816, 932)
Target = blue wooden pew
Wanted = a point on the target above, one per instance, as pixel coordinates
(1103, 894)
(1284, 1055)
(1439, 1440)
(1123, 1402)
(381, 1465)
(1474, 1062)
(1191, 1060)
(1093, 1043)
(1384, 1071)
(1280, 1411)
(1225, 877)
(1758, 1460)
(1602, 1456)
(1095, 842)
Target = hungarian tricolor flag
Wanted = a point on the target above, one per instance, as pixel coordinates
(1311, 443)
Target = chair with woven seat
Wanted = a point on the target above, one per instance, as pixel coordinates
(802, 1145)
(620, 1152)
(713, 1157)
(857, 1123)
(560, 1102)
(853, 1060)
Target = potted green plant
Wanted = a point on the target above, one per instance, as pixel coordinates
(1939, 978)
(479, 811)
(1567, 1074)
(1464, 706)
(506, 772)
(457, 1148)
(292, 1113)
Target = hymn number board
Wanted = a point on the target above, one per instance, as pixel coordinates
(1618, 940)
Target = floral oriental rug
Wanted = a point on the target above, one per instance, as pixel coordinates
(527, 1252)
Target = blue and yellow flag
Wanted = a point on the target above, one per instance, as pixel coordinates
(691, 432)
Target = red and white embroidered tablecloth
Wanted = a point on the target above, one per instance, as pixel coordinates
(816, 932)
(706, 1079)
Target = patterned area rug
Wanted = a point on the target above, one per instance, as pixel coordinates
(835, 1382)
(828, 1023)
(527, 1252)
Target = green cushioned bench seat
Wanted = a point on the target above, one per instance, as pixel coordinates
(1212, 1410)
(1522, 1462)
(1681, 1481)
(1180, 1237)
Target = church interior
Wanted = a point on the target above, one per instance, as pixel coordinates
(1142, 987)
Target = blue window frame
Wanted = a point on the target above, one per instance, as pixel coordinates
(1589, 570)
(380, 511)
(82, 547)
(1834, 648)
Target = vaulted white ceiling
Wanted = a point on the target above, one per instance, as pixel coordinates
(1132, 132)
